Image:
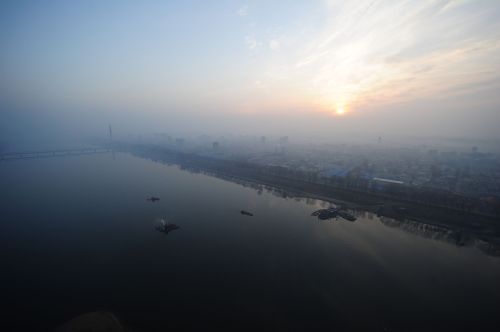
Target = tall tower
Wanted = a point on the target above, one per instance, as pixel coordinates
(110, 132)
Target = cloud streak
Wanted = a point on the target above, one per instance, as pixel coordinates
(388, 52)
(243, 10)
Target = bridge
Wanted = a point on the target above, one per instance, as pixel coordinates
(51, 153)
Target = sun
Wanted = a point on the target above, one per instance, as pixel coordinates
(340, 111)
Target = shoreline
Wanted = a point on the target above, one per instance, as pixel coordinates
(348, 197)
(453, 227)
(350, 194)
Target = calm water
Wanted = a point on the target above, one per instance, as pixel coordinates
(77, 235)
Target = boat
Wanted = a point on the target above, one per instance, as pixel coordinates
(246, 213)
(347, 216)
(166, 227)
(325, 214)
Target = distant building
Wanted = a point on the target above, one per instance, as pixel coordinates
(283, 140)
(383, 184)
(388, 181)
(336, 171)
(215, 145)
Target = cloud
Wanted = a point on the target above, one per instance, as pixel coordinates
(243, 10)
(252, 43)
(380, 52)
(452, 4)
(274, 45)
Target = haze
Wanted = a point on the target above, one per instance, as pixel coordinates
(324, 69)
(250, 165)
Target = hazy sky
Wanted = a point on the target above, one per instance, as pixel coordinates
(422, 67)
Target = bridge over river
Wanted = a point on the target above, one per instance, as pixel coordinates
(50, 153)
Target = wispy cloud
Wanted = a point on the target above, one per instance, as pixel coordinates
(274, 45)
(385, 52)
(252, 43)
(242, 11)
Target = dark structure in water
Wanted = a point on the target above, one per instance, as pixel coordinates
(167, 228)
(153, 199)
(325, 214)
(93, 321)
(246, 213)
(347, 216)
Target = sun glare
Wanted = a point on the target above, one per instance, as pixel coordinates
(340, 111)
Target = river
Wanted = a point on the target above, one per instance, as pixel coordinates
(78, 235)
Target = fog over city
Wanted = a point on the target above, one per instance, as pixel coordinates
(310, 69)
(250, 165)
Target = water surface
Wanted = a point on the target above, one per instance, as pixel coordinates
(78, 235)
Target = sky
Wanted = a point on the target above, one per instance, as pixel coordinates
(422, 68)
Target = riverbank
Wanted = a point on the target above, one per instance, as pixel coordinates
(397, 206)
